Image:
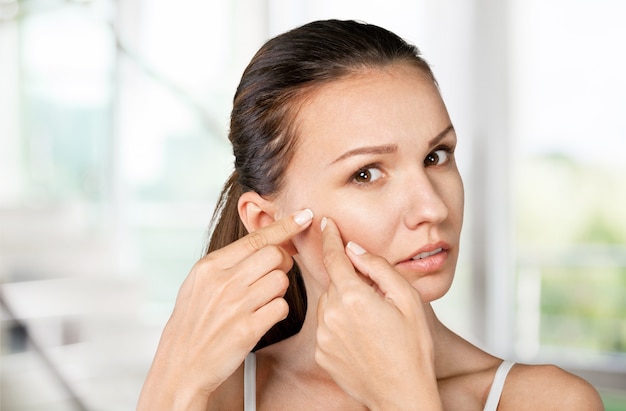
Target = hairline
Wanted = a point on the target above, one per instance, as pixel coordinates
(305, 93)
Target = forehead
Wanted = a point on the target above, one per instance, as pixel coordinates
(371, 105)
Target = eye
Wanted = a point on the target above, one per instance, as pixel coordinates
(437, 157)
(367, 175)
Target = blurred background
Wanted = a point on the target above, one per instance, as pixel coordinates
(113, 148)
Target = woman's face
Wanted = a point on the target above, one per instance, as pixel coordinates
(376, 154)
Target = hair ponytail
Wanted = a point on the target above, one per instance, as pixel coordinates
(226, 226)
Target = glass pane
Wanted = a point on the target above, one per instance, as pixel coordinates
(66, 83)
(570, 196)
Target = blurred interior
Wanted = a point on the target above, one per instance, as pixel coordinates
(113, 123)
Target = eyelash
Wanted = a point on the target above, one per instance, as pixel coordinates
(449, 150)
(356, 174)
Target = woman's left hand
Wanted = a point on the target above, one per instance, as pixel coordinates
(373, 337)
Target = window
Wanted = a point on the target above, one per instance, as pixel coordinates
(569, 196)
(113, 150)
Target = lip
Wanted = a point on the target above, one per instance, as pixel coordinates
(433, 257)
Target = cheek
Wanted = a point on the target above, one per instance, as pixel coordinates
(372, 224)
(455, 200)
(357, 221)
(309, 257)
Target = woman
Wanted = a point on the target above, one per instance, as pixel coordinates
(346, 179)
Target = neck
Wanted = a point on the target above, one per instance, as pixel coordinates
(298, 351)
(296, 355)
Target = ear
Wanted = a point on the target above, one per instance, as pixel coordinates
(255, 211)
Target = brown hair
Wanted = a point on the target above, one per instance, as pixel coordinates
(272, 87)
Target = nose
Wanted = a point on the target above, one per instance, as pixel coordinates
(424, 202)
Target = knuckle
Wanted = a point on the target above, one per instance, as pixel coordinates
(331, 257)
(322, 339)
(322, 352)
(282, 308)
(334, 318)
(274, 255)
(208, 279)
(379, 263)
(244, 330)
(319, 356)
(210, 264)
(353, 301)
(286, 228)
(287, 264)
(277, 310)
(205, 264)
(202, 275)
(282, 281)
(256, 241)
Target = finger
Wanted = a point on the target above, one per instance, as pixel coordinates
(339, 268)
(384, 277)
(276, 233)
(267, 315)
(321, 307)
(322, 334)
(256, 266)
(267, 288)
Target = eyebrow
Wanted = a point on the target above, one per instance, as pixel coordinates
(388, 148)
(435, 140)
(382, 149)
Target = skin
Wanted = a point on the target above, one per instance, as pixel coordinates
(407, 205)
(375, 164)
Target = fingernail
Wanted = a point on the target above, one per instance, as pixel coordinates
(303, 217)
(323, 223)
(355, 248)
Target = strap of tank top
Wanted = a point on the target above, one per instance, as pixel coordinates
(497, 386)
(249, 382)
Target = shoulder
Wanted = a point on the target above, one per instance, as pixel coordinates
(547, 387)
(229, 395)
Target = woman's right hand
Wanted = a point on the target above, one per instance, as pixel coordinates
(229, 300)
(373, 336)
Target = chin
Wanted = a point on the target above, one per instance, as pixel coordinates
(431, 288)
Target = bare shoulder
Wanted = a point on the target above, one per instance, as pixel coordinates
(547, 387)
(229, 395)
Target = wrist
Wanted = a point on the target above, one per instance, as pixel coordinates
(159, 397)
(168, 390)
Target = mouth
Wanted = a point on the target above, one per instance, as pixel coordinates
(426, 254)
(429, 259)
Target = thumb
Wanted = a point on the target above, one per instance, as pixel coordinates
(385, 279)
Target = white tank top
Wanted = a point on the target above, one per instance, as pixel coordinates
(249, 384)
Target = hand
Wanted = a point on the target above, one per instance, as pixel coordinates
(228, 301)
(372, 336)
